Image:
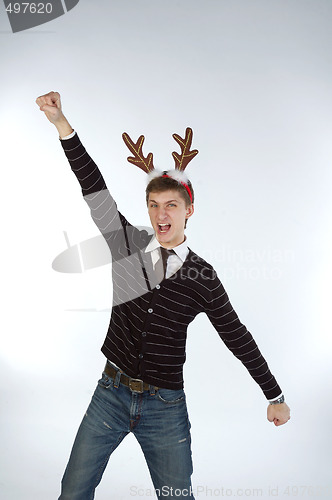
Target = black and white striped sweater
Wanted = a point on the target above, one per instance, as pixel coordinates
(147, 333)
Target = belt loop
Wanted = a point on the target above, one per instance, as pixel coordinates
(152, 390)
(117, 378)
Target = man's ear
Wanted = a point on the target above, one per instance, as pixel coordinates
(189, 211)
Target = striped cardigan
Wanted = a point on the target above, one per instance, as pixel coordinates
(147, 333)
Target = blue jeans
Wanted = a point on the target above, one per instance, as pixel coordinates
(160, 422)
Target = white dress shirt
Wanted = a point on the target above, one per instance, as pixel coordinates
(174, 261)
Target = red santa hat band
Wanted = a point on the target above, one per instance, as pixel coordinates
(181, 160)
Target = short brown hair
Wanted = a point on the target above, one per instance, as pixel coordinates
(160, 184)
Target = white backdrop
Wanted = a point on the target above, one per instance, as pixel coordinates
(253, 79)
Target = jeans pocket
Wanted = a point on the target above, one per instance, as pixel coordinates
(171, 396)
(105, 382)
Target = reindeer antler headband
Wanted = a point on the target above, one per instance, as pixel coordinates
(181, 161)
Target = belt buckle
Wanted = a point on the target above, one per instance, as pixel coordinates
(136, 385)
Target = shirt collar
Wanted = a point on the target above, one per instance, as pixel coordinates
(180, 250)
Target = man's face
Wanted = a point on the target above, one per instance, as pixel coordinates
(168, 212)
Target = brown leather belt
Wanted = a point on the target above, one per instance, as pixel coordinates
(134, 384)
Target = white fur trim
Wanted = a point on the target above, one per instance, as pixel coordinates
(175, 174)
(178, 175)
(152, 175)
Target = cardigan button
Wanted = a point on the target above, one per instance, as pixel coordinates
(150, 310)
(140, 356)
(157, 286)
(143, 334)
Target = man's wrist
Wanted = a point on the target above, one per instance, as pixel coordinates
(63, 128)
(69, 136)
(278, 401)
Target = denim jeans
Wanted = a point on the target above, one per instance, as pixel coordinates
(160, 422)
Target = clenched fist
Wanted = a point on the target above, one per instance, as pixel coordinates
(51, 105)
(279, 414)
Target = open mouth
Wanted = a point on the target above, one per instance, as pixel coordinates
(164, 228)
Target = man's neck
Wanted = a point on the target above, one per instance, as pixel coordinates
(168, 245)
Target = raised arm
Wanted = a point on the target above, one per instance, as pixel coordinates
(103, 208)
(121, 237)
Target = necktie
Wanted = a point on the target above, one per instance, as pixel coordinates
(165, 253)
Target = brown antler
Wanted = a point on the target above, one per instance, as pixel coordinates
(145, 164)
(181, 162)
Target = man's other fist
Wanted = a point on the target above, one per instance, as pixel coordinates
(279, 414)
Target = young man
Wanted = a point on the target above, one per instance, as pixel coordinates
(141, 389)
